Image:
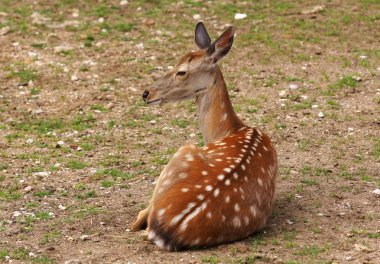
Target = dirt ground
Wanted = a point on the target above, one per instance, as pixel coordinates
(80, 151)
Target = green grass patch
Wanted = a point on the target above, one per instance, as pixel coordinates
(116, 173)
(76, 165)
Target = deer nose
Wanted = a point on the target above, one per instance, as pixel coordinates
(145, 95)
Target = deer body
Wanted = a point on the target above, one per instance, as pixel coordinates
(218, 193)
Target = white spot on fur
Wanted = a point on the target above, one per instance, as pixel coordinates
(200, 197)
(253, 210)
(220, 177)
(184, 190)
(262, 169)
(246, 220)
(227, 182)
(260, 182)
(228, 170)
(209, 215)
(204, 173)
(236, 222)
(208, 188)
(228, 199)
(224, 117)
(235, 175)
(237, 207)
(216, 192)
(161, 212)
(182, 175)
(189, 157)
(243, 166)
(218, 160)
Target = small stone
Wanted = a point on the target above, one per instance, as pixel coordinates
(5, 30)
(74, 78)
(140, 46)
(363, 57)
(197, 16)
(31, 254)
(60, 144)
(357, 78)
(124, 3)
(363, 248)
(37, 111)
(313, 10)
(85, 237)
(7, 258)
(100, 20)
(42, 173)
(289, 222)
(293, 86)
(321, 115)
(32, 54)
(314, 106)
(61, 207)
(29, 141)
(283, 94)
(239, 16)
(304, 97)
(28, 189)
(153, 122)
(16, 214)
(193, 135)
(350, 129)
(349, 258)
(59, 49)
(376, 191)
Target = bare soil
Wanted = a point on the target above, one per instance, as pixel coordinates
(80, 152)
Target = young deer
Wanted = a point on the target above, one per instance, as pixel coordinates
(225, 190)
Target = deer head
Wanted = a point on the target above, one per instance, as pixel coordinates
(195, 72)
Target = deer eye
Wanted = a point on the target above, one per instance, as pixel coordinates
(181, 73)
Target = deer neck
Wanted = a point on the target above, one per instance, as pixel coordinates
(216, 114)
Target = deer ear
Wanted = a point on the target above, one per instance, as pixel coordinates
(202, 38)
(222, 45)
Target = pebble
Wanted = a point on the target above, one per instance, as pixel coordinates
(376, 191)
(314, 106)
(74, 78)
(293, 86)
(313, 10)
(321, 115)
(61, 207)
(193, 135)
(5, 30)
(28, 188)
(289, 222)
(239, 16)
(37, 111)
(62, 48)
(283, 94)
(101, 20)
(153, 122)
(140, 46)
(350, 129)
(16, 214)
(124, 3)
(197, 16)
(31, 254)
(60, 143)
(363, 57)
(42, 173)
(85, 237)
(29, 141)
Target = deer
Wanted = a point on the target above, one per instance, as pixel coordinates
(223, 191)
